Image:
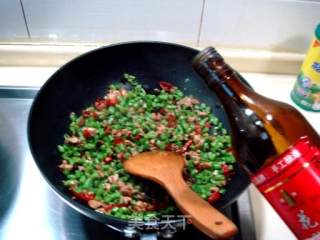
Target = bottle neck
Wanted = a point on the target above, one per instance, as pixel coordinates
(251, 141)
(220, 77)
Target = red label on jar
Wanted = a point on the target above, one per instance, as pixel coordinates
(291, 184)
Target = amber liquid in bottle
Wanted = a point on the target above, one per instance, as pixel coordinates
(262, 131)
(262, 128)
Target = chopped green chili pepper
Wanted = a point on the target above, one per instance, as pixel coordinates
(126, 122)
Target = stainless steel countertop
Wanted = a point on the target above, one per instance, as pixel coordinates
(29, 209)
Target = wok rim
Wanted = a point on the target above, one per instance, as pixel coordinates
(82, 207)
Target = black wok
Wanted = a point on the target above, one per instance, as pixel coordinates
(78, 83)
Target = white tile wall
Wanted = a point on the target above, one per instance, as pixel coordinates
(268, 24)
(285, 25)
(12, 26)
(114, 20)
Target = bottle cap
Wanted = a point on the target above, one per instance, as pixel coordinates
(317, 32)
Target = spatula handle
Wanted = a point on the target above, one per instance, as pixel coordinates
(203, 215)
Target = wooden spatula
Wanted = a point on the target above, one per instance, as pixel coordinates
(165, 168)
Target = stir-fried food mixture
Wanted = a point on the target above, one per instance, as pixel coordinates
(130, 120)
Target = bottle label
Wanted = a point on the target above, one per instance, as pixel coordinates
(291, 184)
(306, 92)
(311, 64)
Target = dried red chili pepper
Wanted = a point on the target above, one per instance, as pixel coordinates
(225, 169)
(100, 104)
(138, 137)
(118, 141)
(166, 86)
(111, 101)
(215, 196)
(83, 195)
(109, 207)
(86, 113)
(89, 132)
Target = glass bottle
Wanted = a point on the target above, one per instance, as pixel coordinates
(273, 142)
